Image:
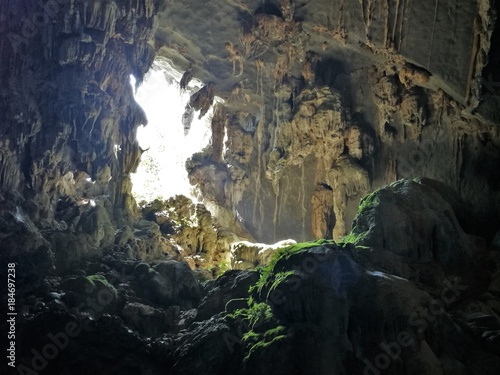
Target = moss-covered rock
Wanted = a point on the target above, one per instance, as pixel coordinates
(246, 254)
(413, 221)
(269, 277)
(230, 286)
(91, 295)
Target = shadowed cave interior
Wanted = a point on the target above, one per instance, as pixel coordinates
(250, 187)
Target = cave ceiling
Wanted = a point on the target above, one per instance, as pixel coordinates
(445, 39)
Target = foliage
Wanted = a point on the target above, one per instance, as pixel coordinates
(255, 315)
(258, 316)
(264, 329)
(369, 201)
(222, 267)
(353, 237)
(95, 280)
(267, 275)
(259, 341)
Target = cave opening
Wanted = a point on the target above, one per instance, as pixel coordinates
(174, 132)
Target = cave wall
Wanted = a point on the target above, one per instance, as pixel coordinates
(67, 113)
(326, 102)
(322, 104)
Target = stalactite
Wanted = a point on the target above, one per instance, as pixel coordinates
(276, 187)
(203, 99)
(302, 196)
(258, 207)
(218, 131)
(347, 180)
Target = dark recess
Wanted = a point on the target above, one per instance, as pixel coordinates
(327, 70)
(268, 8)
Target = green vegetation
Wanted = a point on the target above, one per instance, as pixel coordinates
(264, 329)
(99, 281)
(259, 341)
(279, 277)
(369, 201)
(221, 268)
(255, 315)
(267, 275)
(258, 316)
(353, 237)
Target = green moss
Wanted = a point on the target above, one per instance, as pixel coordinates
(279, 277)
(99, 281)
(221, 268)
(251, 338)
(274, 332)
(264, 330)
(368, 202)
(267, 275)
(353, 237)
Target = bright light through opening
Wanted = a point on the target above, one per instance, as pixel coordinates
(162, 171)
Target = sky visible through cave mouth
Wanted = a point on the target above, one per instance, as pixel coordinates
(162, 171)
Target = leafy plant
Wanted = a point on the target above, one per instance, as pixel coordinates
(260, 341)
(353, 237)
(255, 315)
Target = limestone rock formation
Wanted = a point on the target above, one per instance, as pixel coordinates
(417, 212)
(318, 306)
(324, 103)
(321, 104)
(245, 254)
(409, 290)
(190, 231)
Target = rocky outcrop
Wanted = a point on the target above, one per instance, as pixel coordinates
(324, 308)
(190, 232)
(385, 300)
(245, 254)
(418, 212)
(231, 286)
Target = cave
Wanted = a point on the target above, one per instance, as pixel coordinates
(250, 187)
(173, 133)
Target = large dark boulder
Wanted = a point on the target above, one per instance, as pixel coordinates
(22, 244)
(168, 283)
(416, 224)
(231, 285)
